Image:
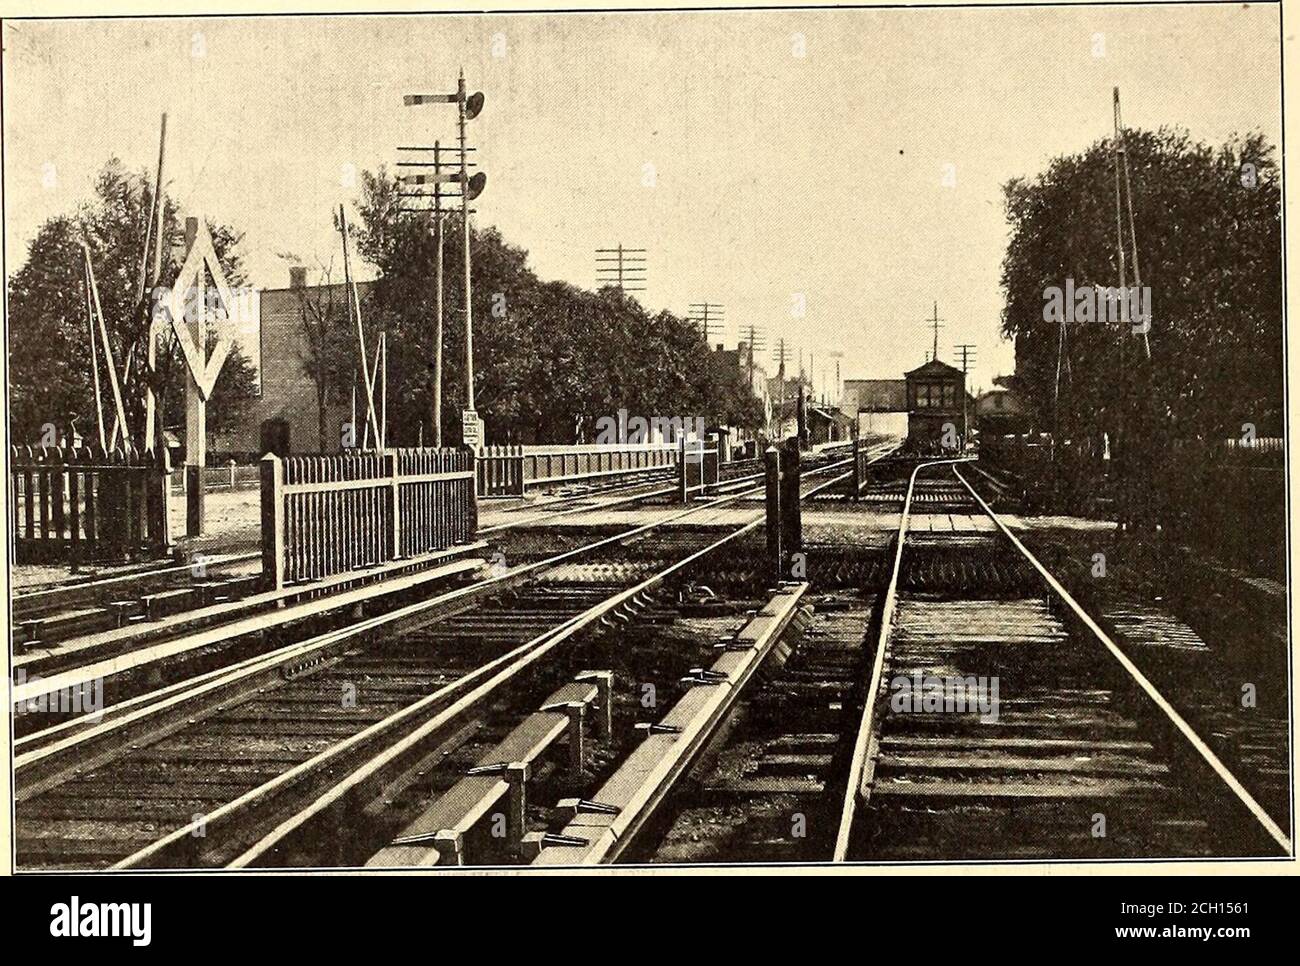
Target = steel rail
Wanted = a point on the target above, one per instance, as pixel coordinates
(48, 596)
(51, 747)
(864, 741)
(136, 707)
(521, 658)
(1160, 701)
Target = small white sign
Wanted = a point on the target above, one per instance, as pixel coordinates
(471, 429)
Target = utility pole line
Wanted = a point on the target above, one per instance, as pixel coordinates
(966, 350)
(781, 357)
(704, 314)
(935, 323)
(624, 268)
(753, 337)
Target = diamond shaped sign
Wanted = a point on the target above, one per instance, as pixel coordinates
(201, 255)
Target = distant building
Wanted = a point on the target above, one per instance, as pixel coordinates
(874, 396)
(936, 397)
(878, 405)
(826, 424)
(283, 417)
(1001, 411)
(742, 357)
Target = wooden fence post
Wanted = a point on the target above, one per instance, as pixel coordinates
(393, 472)
(160, 528)
(791, 517)
(681, 469)
(857, 468)
(272, 522)
(772, 492)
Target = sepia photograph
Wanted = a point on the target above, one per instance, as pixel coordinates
(787, 440)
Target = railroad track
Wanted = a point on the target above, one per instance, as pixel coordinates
(188, 623)
(1005, 723)
(235, 766)
(1053, 744)
(45, 616)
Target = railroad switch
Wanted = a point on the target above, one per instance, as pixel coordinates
(701, 676)
(570, 808)
(655, 728)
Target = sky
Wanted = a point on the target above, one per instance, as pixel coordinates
(849, 162)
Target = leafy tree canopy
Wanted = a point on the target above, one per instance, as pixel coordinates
(550, 358)
(49, 349)
(1208, 225)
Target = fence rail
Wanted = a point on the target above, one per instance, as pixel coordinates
(222, 476)
(512, 470)
(83, 504)
(329, 515)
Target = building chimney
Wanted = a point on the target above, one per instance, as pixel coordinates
(298, 276)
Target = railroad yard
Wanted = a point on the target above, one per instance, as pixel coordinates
(613, 675)
(368, 514)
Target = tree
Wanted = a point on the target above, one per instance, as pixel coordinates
(330, 345)
(48, 353)
(1209, 238)
(549, 358)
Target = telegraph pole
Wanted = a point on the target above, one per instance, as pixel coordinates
(781, 356)
(753, 337)
(704, 314)
(468, 107)
(967, 352)
(837, 356)
(624, 268)
(936, 324)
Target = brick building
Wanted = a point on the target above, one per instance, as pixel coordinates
(283, 418)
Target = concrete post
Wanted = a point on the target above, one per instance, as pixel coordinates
(575, 710)
(517, 775)
(604, 681)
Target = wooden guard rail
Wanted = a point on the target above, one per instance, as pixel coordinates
(85, 504)
(510, 470)
(327, 515)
